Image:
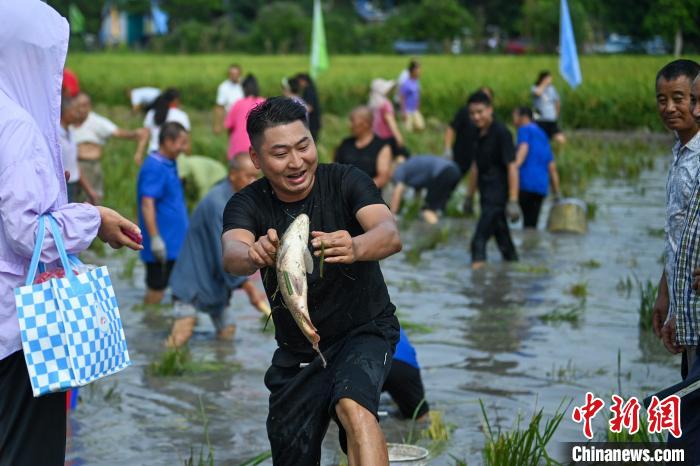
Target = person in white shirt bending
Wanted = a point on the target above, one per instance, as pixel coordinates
(92, 135)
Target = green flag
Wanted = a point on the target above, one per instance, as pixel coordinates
(319, 54)
(76, 19)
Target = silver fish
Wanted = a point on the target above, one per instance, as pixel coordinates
(294, 261)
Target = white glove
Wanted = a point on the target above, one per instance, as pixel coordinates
(158, 248)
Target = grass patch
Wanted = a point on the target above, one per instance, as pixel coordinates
(579, 290)
(177, 362)
(521, 446)
(570, 314)
(647, 299)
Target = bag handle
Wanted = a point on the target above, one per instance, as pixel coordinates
(40, 233)
(78, 288)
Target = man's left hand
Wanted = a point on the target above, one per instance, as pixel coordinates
(668, 336)
(338, 247)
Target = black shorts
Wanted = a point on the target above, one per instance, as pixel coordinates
(303, 399)
(405, 386)
(549, 127)
(158, 274)
(32, 430)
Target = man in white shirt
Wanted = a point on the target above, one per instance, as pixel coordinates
(227, 94)
(92, 135)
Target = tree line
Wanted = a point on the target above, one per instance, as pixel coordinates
(284, 26)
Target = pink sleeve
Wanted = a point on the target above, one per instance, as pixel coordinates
(29, 187)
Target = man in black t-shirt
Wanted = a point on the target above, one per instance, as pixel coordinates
(494, 157)
(460, 140)
(349, 305)
(364, 149)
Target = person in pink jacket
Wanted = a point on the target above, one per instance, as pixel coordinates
(236, 119)
(33, 44)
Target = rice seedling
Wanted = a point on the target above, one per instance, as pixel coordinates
(647, 299)
(257, 459)
(570, 314)
(201, 459)
(176, 362)
(458, 461)
(437, 430)
(624, 286)
(521, 446)
(590, 264)
(642, 436)
(579, 290)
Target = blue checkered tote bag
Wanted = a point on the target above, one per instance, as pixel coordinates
(71, 329)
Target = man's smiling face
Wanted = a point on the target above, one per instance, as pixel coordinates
(287, 157)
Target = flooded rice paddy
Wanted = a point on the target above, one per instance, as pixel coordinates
(516, 336)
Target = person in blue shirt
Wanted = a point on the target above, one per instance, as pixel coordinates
(535, 161)
(162, 210)
(199, 282)
(404, 382)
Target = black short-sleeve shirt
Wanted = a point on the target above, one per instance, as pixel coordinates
(466, 134)
(493, 152)
(348, 295)
(364, 158)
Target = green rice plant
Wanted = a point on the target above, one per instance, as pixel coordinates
(641, 436)
(458, 461)
(590, 264)
(647, 299)
(172, 362)
(201, 459)
(257, 459)
(437, 430)
(624, 286)
(579, 290)
(569, 314)
(177, 362)
(412, 327)
(521, 446)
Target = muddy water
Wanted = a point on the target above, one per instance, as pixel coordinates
(481, 338)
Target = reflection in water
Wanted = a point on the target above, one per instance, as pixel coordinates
(478, 336)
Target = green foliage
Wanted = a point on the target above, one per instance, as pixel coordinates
(202, 460)
(569, 314)
(176, 362)
(520, 447)
(579, 290)
(282, 27)
(668, 16)
(620, 100)
(434, 20)
(647, 299)
(541, 22)
(257, 459)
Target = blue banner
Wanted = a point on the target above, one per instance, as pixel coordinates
(568, 56)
